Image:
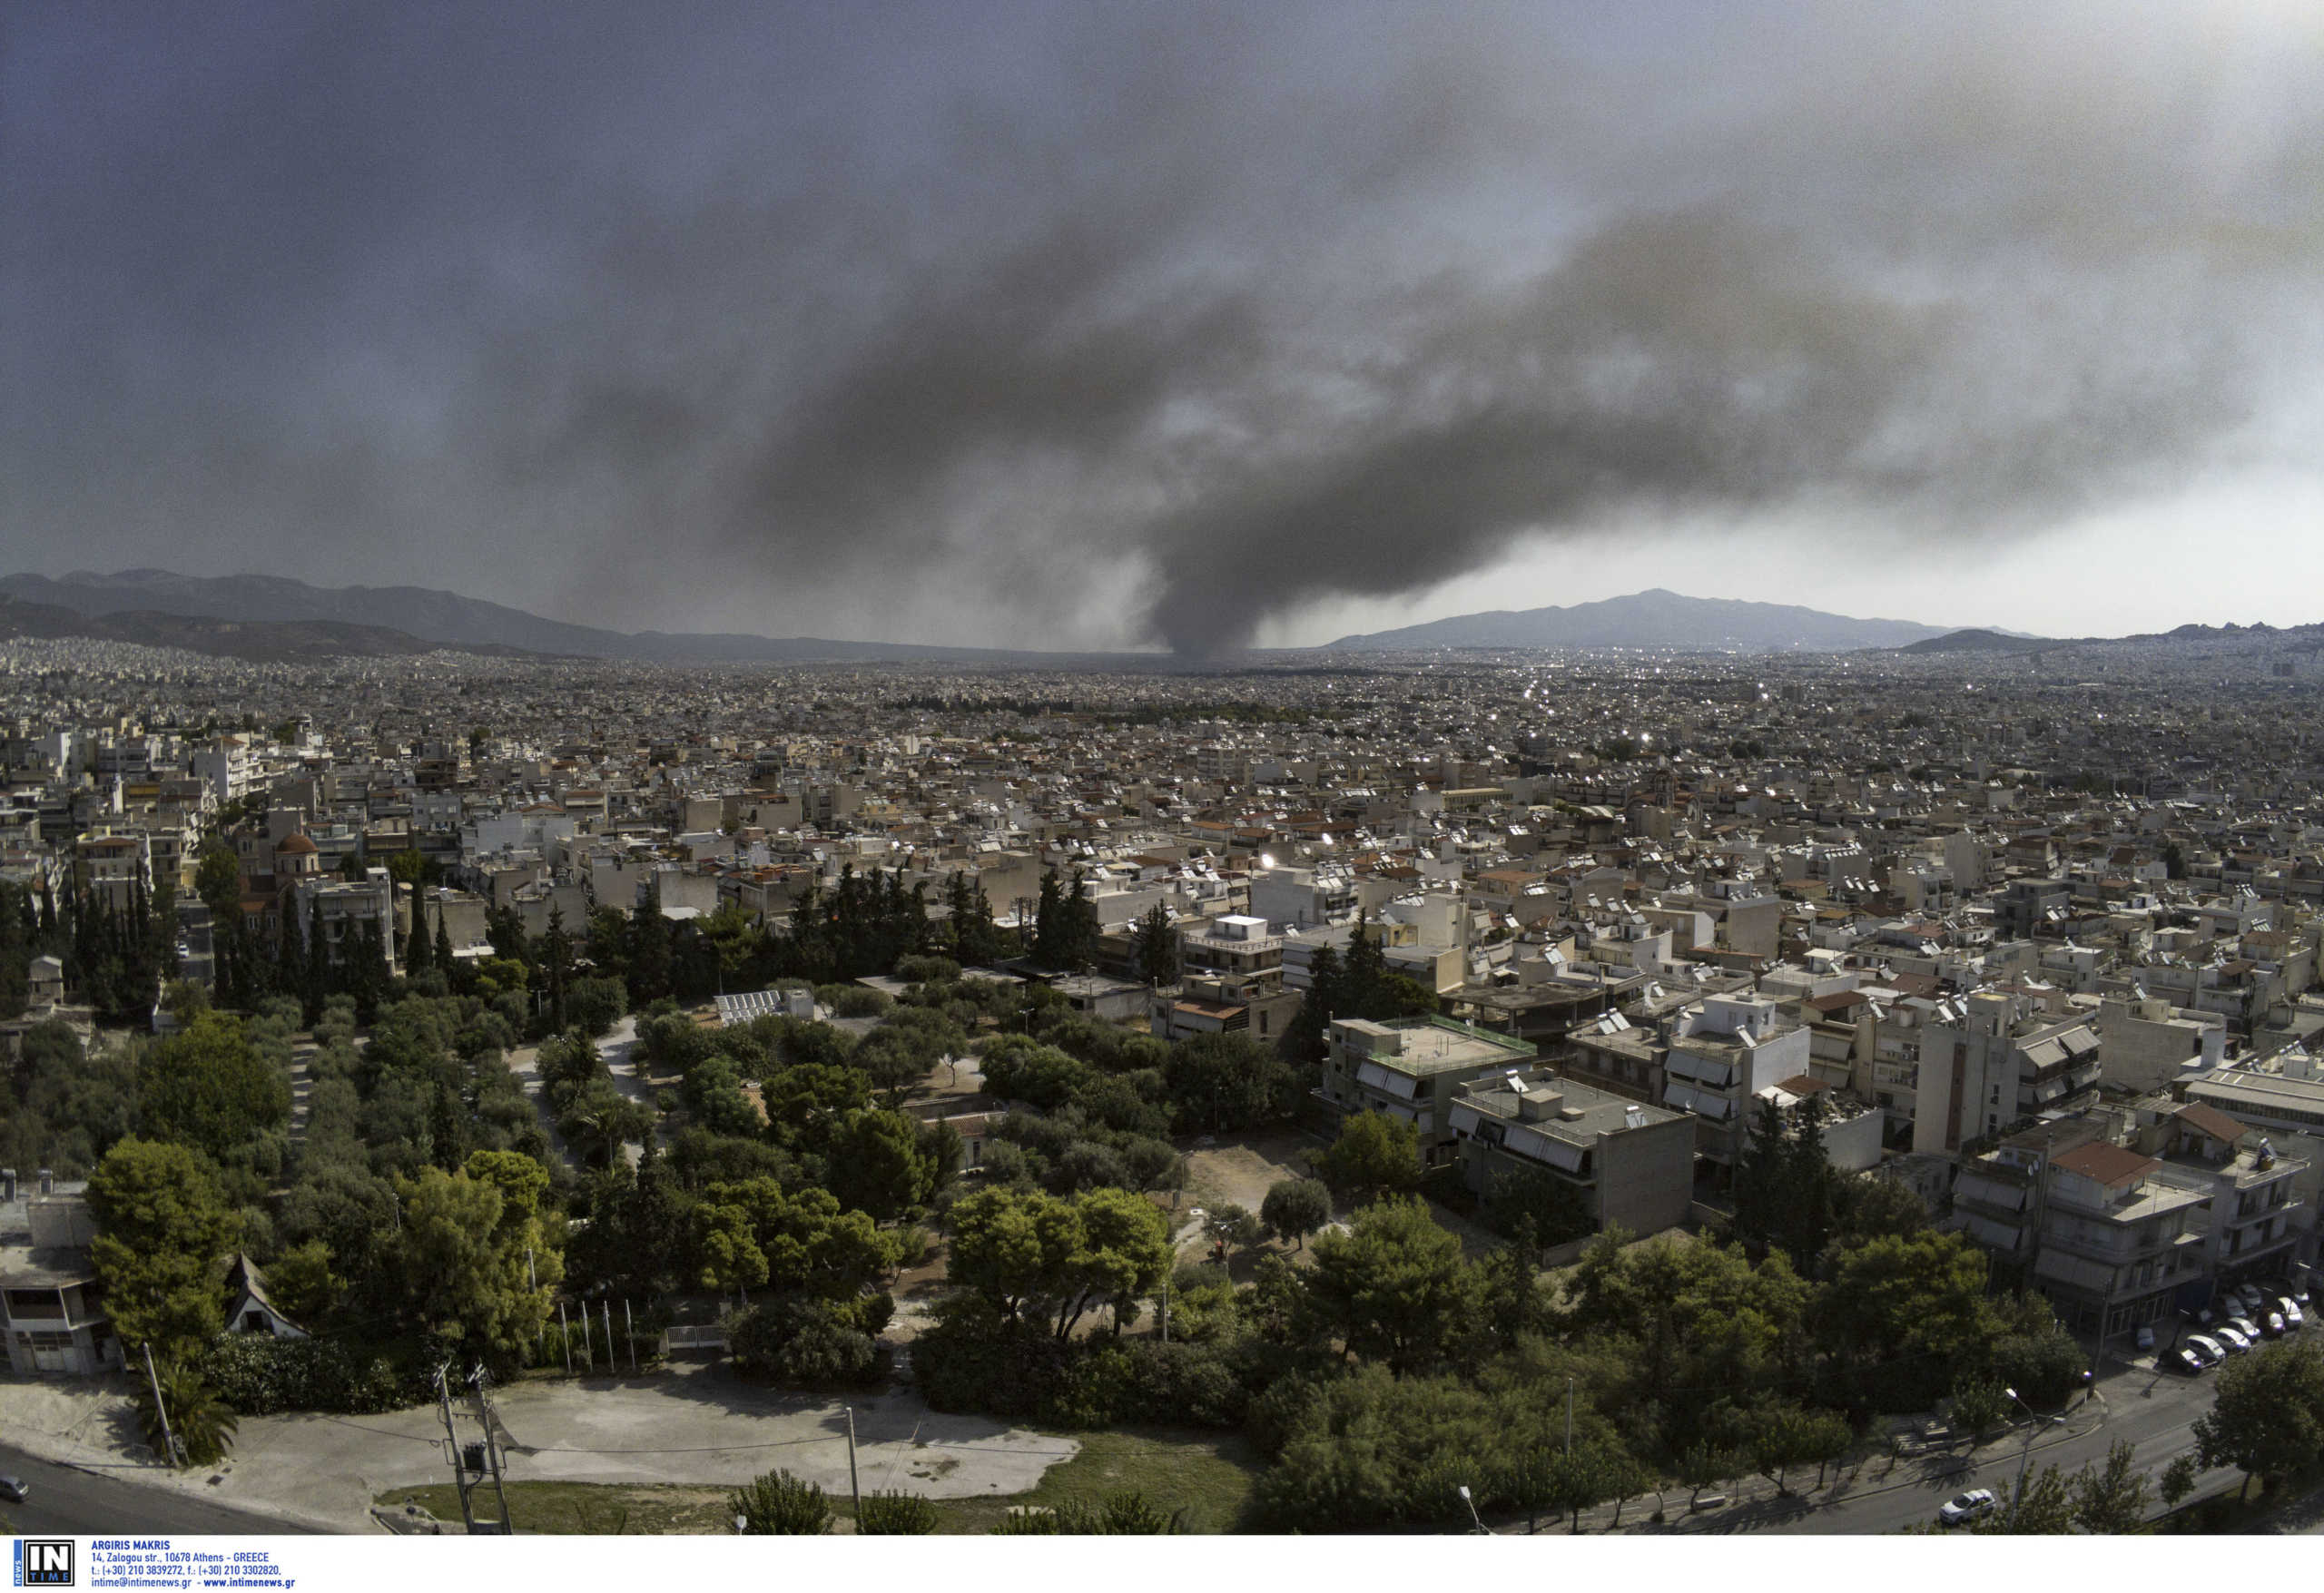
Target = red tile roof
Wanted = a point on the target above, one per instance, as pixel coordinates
(2105, 1164)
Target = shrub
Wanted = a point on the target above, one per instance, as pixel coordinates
(853, 1000)
(261, 1375)
(820, 1343)
(1117, 1514)
(972, 1361)
(1145, 1383)
(781, 1504)
(895, 1515)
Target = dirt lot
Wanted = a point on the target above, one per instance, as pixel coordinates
(1241, 1168)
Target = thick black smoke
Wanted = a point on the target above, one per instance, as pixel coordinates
(1044, 324)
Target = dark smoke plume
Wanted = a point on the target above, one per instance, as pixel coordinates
(1049, 323)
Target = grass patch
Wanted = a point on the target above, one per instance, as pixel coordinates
(1207, 1474)
(599, 1507)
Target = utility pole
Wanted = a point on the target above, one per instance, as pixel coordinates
(629, 1327)
(612, 1367)
(565, 1337)
(1166, 1296)
(854, 1489)
(1569, 1415)
(160, 1409)
(486, 1416)
(452, 1448)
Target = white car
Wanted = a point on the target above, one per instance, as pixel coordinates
(2234, 1342)
(1966, 1506)
(2288, 1309)
(2145, 1338)
(2208, 1348)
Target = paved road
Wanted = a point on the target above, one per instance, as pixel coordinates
(2150, 1411)
(65, 1500)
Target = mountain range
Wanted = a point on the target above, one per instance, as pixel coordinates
(1654, 618)
(271, 618)
(441, 619)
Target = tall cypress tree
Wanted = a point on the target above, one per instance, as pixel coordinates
(420, 950)
(556, 951)
(443, 953)
(320, 980)
(1157, 947)
(1048, 923)
(290, 953)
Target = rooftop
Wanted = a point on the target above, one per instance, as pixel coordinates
(1429, 1045)
(1566, 1108)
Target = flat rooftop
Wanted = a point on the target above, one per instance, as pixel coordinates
(1583, 1111)
(1432, 1046)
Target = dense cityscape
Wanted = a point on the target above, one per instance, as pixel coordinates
(1306, 776)
(1636, 1089)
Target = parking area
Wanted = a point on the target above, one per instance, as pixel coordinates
(2237, 1319)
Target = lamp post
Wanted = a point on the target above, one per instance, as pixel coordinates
(2025, 1460)
(1481, 1529)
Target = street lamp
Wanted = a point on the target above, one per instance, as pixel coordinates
(1466, 1499)
(2026, 1459)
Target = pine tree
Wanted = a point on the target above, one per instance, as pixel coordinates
(443, 953)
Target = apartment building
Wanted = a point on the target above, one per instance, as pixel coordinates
(1410, 1068)
(1633, 1163)
(1721, 1055)
(1236, 944)
(1989, 1061)
(2087, 1223)
(51, 1315)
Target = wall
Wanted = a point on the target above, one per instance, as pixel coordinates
(1646, 1176)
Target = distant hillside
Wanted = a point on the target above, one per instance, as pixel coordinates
(442, 618)
(1979, 640)
(1657, 618)
(258, 641)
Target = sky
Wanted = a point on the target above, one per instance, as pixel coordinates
(1174, 325)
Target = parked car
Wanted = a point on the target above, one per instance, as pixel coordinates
(2288, 1309)
(2246, 1326)
(2201, 1315)
(2186, 1363)
(2145, 1337)
(2209, 1349)
(2246, 1300)
(12, 1488)
(2233, 1341)
(1964, 1508)
(2272, 1324)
